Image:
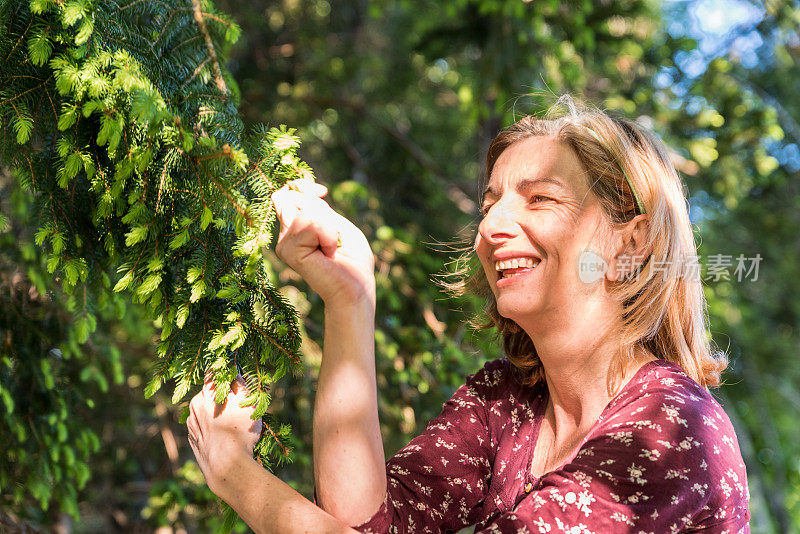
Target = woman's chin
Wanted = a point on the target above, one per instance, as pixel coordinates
(516, 310)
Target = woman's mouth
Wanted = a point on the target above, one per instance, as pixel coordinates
(515, 266)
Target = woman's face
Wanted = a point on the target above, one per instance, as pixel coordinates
(539, 217)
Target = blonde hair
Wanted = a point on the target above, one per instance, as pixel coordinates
(664, 311)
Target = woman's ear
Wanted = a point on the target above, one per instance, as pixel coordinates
(631, 246)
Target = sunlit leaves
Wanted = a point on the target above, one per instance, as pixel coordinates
(140, 167)
(199, 289)
(40, 6)
(69, 115)
(180, 239)
(206, 218)
(73, 11)
(136, 235)
(182, 386)
(39, 47)
(23, 124)
(149, 284)
(183, 314)
(124, 282)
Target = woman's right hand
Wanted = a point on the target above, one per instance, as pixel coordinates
(328, 251)
(349, 461)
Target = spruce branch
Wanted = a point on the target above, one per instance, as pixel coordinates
(197, 11)
(143, 189)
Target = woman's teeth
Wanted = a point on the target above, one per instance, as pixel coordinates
(516, 263)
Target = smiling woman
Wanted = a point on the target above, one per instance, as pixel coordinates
(598, 419)
(565, 157)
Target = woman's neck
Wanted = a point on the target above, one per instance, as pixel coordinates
(577, 362)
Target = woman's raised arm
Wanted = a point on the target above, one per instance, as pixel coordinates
(335, 259)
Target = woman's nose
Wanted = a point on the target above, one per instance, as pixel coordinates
(498, 224)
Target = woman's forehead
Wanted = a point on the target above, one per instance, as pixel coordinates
(544, 161)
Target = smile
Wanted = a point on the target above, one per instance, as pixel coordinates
(515, 266)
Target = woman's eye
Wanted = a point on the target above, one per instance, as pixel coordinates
(535, 197)
(485, 209)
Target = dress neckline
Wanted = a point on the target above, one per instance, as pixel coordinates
(530, 478)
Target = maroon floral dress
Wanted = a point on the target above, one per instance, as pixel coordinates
(663, 457)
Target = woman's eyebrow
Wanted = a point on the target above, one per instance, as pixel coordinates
(525, 184)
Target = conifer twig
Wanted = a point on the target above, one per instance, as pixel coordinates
(277, 439)
(21, 37)
(277, 345)
(212, 53)
(196, 72)
(20, 95)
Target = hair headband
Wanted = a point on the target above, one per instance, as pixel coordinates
(625, 174)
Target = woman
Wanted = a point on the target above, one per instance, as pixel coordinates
(598, 419)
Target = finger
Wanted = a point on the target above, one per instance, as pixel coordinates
(191, 426)
(309, 234)
(194, 428)
(289, 204)
(329, 237)
(194, 402)
(308, 198)
(316, 227)
(285, 209)
(195, 451)
(196, 405)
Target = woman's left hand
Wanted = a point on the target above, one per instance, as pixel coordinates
(220, 434)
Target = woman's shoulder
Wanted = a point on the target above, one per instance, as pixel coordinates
(675, 428)
(668, 416)
(675, 395)
(662, 396)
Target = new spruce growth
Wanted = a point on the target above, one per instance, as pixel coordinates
(120, 120)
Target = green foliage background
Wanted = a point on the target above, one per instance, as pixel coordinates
(394, 104)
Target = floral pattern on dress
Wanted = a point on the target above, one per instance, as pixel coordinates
(663, 457)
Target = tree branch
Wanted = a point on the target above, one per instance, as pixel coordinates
(212, 53)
